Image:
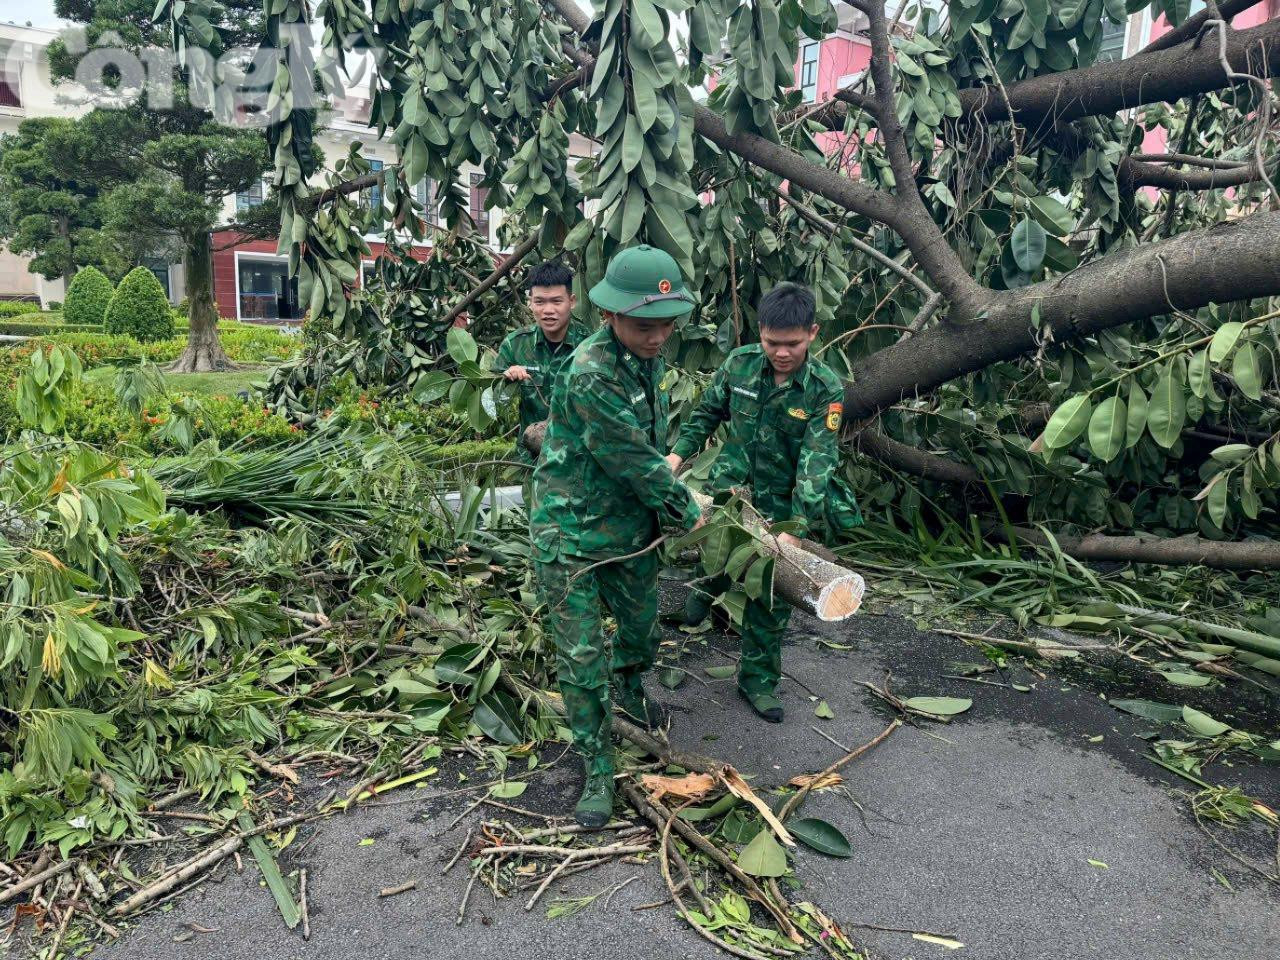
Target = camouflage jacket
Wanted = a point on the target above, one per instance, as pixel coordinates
(602, 488)
(782, 440)
(529, 348)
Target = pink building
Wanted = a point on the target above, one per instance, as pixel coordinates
(825, 66)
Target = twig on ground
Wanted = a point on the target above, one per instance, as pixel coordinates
(466, 842)
(302, 903)
(395, 891)
(794, 802)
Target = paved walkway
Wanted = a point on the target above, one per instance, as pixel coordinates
(982, 830)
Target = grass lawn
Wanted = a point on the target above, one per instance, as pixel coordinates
(213, 384)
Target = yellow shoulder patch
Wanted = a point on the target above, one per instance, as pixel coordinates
(798, 413)
(834, 412)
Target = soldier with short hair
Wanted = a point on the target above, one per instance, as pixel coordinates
(602, 492)
(783, 410)
(533, 356)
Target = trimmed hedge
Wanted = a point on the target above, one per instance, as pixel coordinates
(15, 308)
(88, 297)
(23, 327)
(139, 308)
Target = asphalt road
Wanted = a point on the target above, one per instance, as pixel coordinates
(982, 830)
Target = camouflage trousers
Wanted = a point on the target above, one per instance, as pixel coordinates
(764, 623)
(574, 604)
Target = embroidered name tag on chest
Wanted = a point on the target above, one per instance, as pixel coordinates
(744, 392)
(638, 398)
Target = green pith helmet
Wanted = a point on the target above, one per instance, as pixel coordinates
(643, 282)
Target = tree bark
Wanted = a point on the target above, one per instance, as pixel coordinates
(801, 577)
(919, 463)
(1230, 262)
(204, 351)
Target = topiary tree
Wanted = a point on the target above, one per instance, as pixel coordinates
(139, 308)
(87, 297)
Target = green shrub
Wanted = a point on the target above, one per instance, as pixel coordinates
(139, 308)
(55, 305)
(88, 297)
(28, 325)
(16, 308)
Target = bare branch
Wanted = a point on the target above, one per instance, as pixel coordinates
(918, 463)
(1188, 160)
(1190, 28)
(513, 259)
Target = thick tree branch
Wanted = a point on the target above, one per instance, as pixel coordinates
(512, 260)
(1155, 75)
(918, 463)
(1143, 548)
(1108, 87)
(1226, 263)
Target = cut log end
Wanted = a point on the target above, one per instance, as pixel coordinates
(840, 599)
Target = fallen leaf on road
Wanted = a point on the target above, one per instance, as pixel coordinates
(940, 941)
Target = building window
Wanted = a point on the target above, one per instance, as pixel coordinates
(479, 212)
(809, 70)
(161, 269)
(266, 291)
(1112, 44)
(373, 196)
(252, 197)
(10, 85)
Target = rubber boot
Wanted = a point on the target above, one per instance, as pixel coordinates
(764, 703)
(595, 807)
(634, 703)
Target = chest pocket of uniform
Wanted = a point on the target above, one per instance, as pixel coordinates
(791, 425)
(643, 412)
(744, 405)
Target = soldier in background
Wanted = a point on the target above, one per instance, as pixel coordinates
(602, 492)
(534, 355)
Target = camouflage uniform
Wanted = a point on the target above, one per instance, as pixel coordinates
(782, 445)
(529, 347)
(602, 490)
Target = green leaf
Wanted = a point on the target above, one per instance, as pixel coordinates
(1028, 244)
(821, 836)
(1199, 376)
(1137, 417)
(1168, 408)
(499, 720)
(1052, 215)
(671, 677)
(939, 706)
(1201, 723)
(1107, 428)
(454, 664)
(461, 345)
(1224, 340)
(289, 909)
(1182, 678)
(740, 827)
(763, 856)
(824, 711)
(508, 790)
(1067, 422)
(1232, 452)
(721, 673)
(719, 808)
(1149, 710)
(1245, 370)
(646, 24)
(1216, 502)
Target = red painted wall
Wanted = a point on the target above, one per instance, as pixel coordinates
(225, 245)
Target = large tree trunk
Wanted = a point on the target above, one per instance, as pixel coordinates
(204, 350)
(803, 578)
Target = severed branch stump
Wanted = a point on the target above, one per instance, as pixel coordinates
(808, 579)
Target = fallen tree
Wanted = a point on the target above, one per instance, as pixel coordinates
(982, 216)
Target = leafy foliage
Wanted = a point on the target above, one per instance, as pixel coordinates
(87, 297)
(139, 308)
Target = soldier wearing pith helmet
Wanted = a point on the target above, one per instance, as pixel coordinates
(602, 493)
